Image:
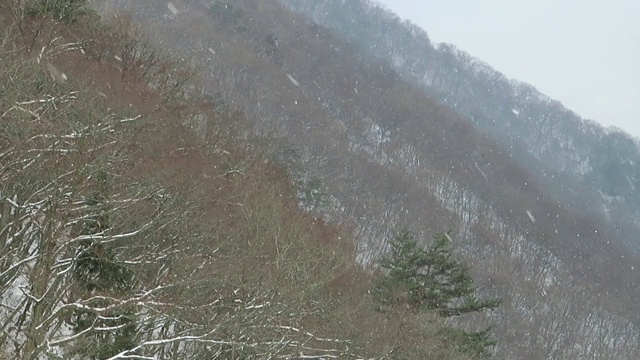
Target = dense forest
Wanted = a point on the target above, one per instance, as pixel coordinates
(589, 168)
(141, 218)
(237, 180)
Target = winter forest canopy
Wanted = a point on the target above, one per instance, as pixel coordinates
(276, 179)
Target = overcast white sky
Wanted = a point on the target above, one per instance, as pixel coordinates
(584, 53)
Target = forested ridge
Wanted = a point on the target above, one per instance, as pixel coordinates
(230, 179)
(142, 218)
(592, 169)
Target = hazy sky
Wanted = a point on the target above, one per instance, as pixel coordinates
(584, 53)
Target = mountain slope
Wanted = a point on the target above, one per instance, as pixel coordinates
(137, 221)
(591, 169)
(387, 156)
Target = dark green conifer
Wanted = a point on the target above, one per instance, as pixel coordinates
(432, 279)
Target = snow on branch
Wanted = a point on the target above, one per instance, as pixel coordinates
(53, 49)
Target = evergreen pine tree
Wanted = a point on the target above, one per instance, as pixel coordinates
(98, 271)
(432, 279)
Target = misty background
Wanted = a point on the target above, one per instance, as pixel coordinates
(585, 54)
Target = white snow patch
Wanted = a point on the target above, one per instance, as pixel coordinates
(531, 217)
(293, 80)
(481, 172)
(172, 8)
(516, 112)
(633, 187)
